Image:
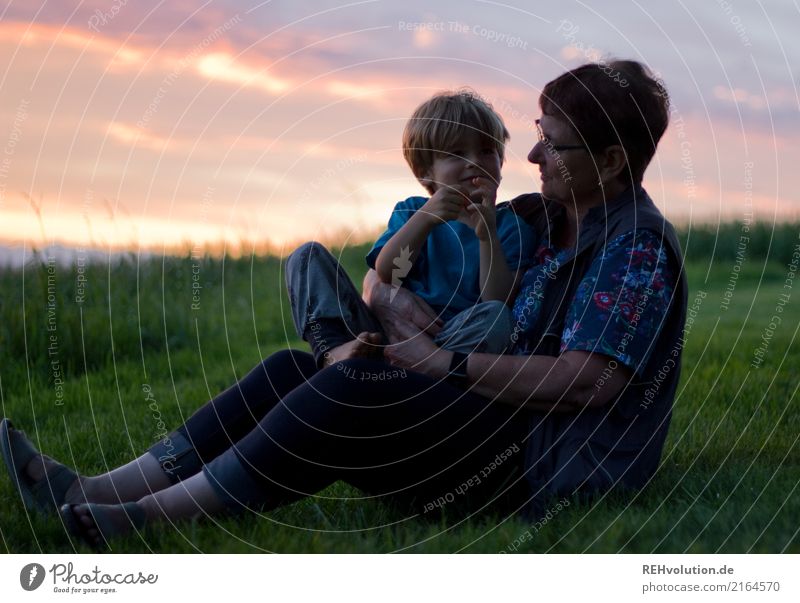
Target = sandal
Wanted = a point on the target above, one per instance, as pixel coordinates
(102, 522)
(44, 496)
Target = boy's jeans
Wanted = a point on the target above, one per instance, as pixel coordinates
(328, 310)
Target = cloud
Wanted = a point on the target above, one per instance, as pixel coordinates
(572, 53)
(223, 67)
(355, 90)
(287, 92)
(31, 35)
(740, 96)
(134, 136)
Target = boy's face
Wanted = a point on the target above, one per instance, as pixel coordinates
(472, 157)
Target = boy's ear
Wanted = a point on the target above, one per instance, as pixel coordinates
(426, 181)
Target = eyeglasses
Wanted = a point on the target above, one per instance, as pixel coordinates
(557, 147)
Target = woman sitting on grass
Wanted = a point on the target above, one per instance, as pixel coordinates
(581, 405)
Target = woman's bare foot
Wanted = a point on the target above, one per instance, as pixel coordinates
(113, 513)
(96, 524)
(366, 345)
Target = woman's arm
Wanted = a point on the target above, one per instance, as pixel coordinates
(621, 309)
(567, 383)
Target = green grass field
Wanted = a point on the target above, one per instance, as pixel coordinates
(728, 482)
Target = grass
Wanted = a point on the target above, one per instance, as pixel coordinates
(728, 481)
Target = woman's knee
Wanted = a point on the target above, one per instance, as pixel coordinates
(361, 381)
(280, 372)
(285, 361)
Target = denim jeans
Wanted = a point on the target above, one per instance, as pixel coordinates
(328, 310)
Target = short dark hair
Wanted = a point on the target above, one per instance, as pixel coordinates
(619, 102)
(440, 123)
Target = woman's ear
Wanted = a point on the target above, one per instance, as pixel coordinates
(612, 162)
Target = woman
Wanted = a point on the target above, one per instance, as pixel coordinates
(582, 405)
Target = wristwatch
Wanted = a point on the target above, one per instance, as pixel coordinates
(457, 375)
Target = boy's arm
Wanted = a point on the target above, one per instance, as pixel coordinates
(405, 243)
(444, 205)
(497, 282)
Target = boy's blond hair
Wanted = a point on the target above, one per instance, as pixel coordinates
(440, 122)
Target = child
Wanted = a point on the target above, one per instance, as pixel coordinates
(455, 250)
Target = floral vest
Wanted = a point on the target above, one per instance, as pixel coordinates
(619, 444)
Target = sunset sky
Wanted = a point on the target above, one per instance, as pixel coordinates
(144, 124)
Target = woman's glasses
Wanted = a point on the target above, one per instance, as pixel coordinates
(556, 147)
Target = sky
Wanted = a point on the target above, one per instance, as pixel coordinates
(238, 124)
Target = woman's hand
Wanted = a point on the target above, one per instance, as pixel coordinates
(396, 308)
(417, 352)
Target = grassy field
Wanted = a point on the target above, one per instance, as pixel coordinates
(187, 328)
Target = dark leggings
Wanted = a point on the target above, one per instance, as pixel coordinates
(286, 431)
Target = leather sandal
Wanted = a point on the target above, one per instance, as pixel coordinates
(43, 496)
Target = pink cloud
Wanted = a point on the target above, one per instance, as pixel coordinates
(278, 115)
(220, 66)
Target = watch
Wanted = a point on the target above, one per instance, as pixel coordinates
(457, 375)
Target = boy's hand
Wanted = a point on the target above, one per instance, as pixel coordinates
(447, 203)
(481, 214)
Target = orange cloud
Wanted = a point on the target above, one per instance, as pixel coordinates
(221, 66)
(137, 137)
(120, 55)
(356, 91)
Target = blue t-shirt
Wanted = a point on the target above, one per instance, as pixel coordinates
(620, 303)
(446, 272)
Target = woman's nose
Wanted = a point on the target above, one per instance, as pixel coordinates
(536, 155)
